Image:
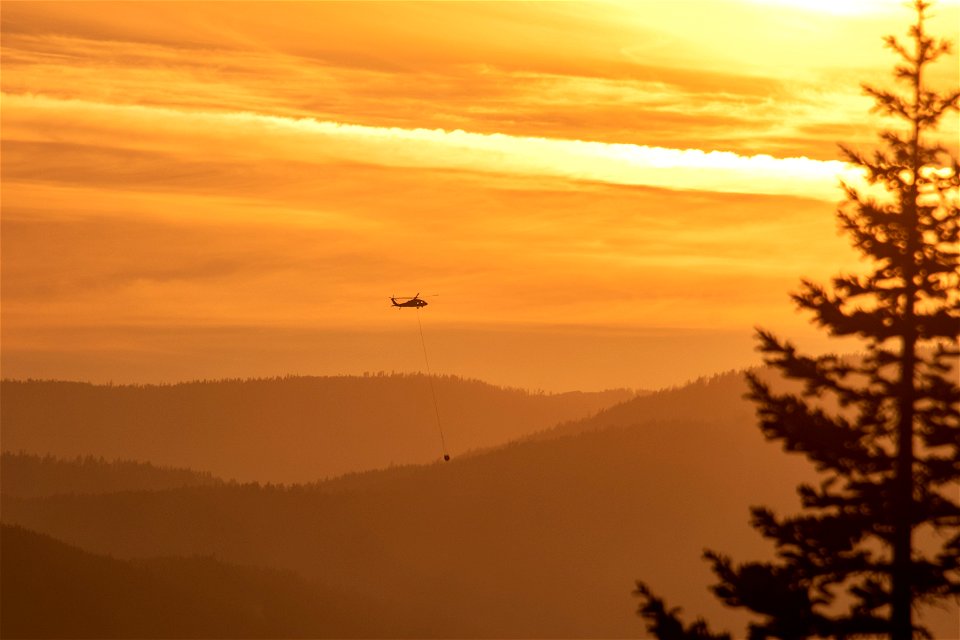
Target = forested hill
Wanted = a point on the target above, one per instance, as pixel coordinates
(532, 540)
(540, 538)
(293, 429)
(97, 596)
(717, 398)
(31, 476)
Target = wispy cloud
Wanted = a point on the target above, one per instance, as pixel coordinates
(613, 73)
(194, 134)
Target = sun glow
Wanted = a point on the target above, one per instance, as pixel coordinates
(838, 7)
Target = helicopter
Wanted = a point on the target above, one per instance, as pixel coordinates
(416, 302)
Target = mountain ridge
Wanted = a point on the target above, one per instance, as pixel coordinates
(537, 538)
(534, 538)
(290, 429)
(27, 475)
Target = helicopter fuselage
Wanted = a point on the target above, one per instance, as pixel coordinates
(415, 303)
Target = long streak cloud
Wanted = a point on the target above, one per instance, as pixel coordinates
(267, 137)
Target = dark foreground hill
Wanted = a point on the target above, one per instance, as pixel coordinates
(53, 590)
(541, 538)
(295, 429)
(26, 475)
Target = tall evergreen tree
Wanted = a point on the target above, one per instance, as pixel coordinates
(883, 428)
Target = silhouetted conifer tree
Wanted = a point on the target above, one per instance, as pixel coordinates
(890, 453)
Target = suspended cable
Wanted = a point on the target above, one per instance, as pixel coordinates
(433, 392)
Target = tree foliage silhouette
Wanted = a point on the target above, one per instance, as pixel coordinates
(883, 428)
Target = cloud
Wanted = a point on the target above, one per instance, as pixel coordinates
(245, 136)
(327, 252)
(149, 214)
(618, 75)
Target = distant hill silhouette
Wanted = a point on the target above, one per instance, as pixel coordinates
(534, 539)
(294, 429)
(717, 397)
(31, 476)
(540, 538)
(54, 590)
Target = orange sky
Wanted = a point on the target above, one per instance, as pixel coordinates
(200, 190)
